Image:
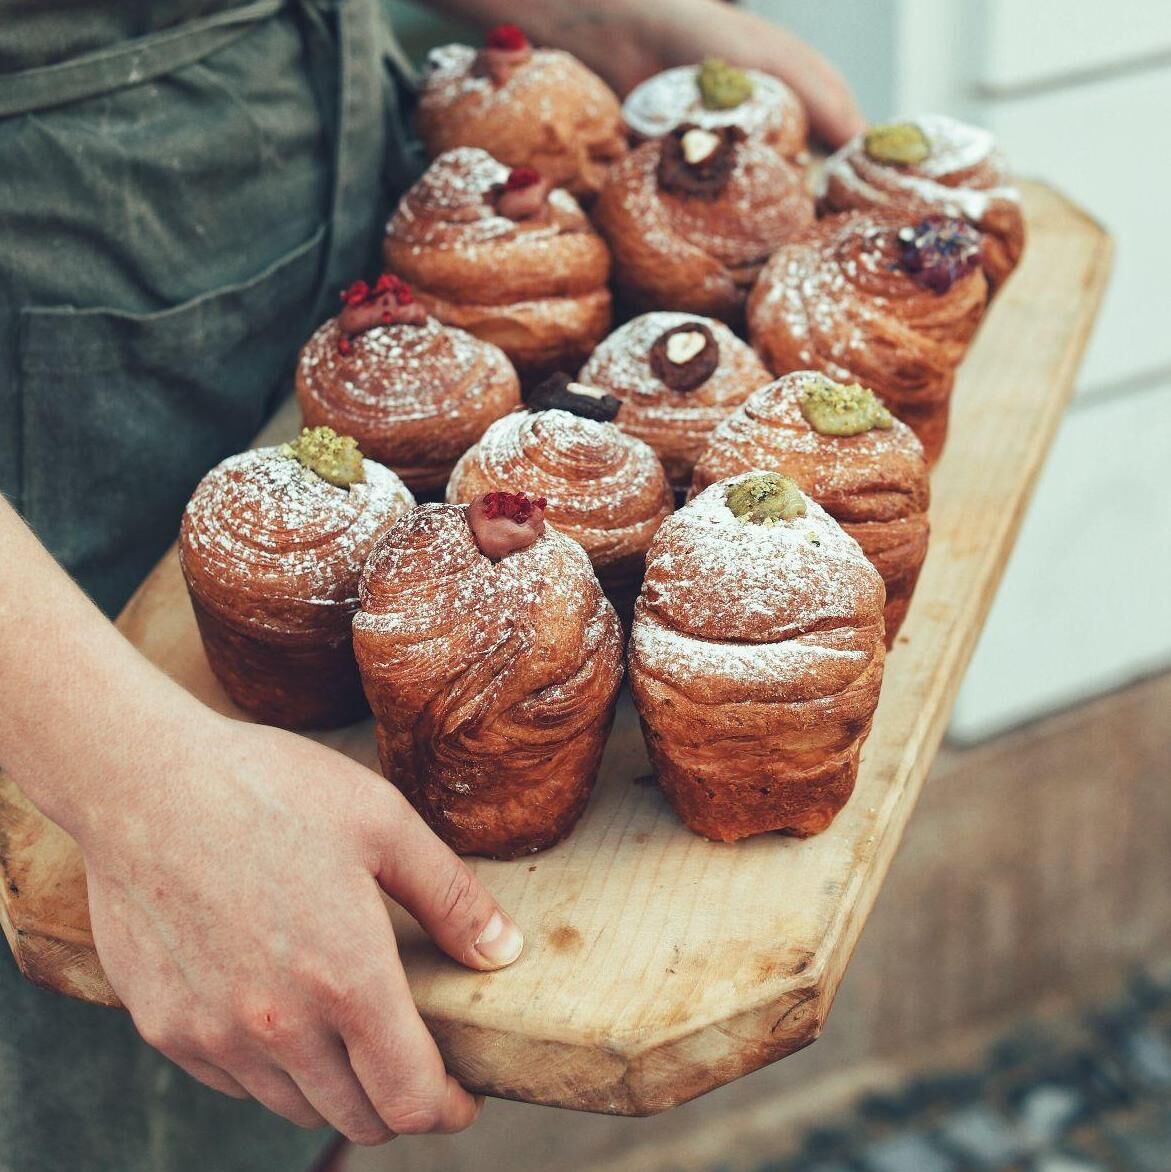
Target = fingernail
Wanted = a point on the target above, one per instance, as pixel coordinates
(500, 942)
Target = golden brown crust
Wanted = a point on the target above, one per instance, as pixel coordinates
(534, 287)
(692, 254)
(836, 300)
(875, 484)
(773, 114)
(272, 555)
(965, 175)
(604, 489)
(552, 114)
(677, 424)
(492, 683)
(755, 662)
(414, 397)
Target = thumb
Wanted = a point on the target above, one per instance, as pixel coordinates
(417, 870)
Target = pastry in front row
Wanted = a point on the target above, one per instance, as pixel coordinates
(414, 393)
(272, 546)
(714, 95)
(492, 662)
(756, 659)
(932, 165)
(873, 298)
(528, 107)
(676, 375)
(844, 449)
(692, 216)
(602, 487)
(498, 252)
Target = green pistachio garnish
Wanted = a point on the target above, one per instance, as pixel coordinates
(897, 142)
(722, 86)
(765, 499)
(833, 409)
(335, 458)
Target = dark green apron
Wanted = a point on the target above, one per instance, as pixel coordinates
(181, 196)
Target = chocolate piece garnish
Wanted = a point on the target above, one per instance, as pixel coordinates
(524, 194)
(388, 302)
(708, 174)
(505, 50)
(560, 393)
(503, 522)
(337, 459)
(938, 251)
(685, 357)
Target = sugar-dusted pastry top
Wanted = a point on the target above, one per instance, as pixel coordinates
(603, 488)
(668, 99)
(876, 475)
(266, 542)
(448, 238)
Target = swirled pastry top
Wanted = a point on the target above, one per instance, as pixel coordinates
(670, 98)
(786, 611)
(448, 238)
(267, 543)
(401, 373)
(622, 365)
(605, 489)
(876, 475)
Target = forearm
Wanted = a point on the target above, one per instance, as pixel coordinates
(76, 700)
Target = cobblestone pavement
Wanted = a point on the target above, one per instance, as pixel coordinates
(1089, 1095)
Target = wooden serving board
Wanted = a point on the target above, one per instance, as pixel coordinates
(659, 966)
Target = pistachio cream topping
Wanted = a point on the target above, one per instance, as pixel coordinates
(836, 409)
(897, 142)
(335, 458)
(765, 499)
(722, 86)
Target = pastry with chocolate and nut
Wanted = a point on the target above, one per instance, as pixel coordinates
(692, 217)
(272, 545)
(527, 107)
(932, 166)
(846, 451)
(492, 662)
(676, 375)
(715, 95)
(756, 659)
(876, 299)
(414, 393)
(602, 487)
(501, 254)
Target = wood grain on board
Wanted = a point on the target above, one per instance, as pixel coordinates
(659, 966)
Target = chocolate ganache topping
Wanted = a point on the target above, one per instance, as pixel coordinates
(695, 161)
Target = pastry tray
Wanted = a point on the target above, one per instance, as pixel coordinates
(658, 965)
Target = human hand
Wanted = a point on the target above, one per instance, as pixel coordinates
(236, 910)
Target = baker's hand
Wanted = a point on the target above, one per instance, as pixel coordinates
(236, 911)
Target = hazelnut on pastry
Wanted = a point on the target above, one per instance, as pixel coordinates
(846, 451)
(414, 393)
(498, 252)
(691, 218)
(714, 95)
(932, 165)
(676, 375)
(527, 107)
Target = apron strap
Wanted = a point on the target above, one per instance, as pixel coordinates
(129, 62)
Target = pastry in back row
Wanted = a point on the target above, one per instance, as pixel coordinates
(846, 451)
(676, 375)
(528, 107)
(414, 393)
(876, 299)
(756, 659)
(492, 662)
(499, 253)
(272, 545)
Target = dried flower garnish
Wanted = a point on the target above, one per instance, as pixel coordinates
(516, 506)
(938, 251)
(523, 194)
(504, 522)
(506, 36)
(389, 301)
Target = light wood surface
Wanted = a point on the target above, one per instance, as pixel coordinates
(659, 966)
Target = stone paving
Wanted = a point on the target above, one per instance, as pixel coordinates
(1088, 1095)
